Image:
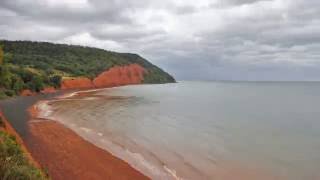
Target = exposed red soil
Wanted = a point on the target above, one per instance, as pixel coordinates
(115, 76)
(48, 90)
(67, 156)
(27, 92)
(77, 83)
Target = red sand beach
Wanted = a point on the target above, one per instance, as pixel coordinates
(68, 156)
(65, 154)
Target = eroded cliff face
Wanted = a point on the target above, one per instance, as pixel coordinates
(120, 75)
(74, 83)
(116, 76)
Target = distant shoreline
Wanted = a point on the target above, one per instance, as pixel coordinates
(58, 149)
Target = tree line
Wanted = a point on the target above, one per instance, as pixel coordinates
(35, 65)
(15, 78)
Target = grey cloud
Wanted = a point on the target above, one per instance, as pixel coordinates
(241, 2)
(230, 3)
(125, 33)
(185, 9)
(39, 10)
(263, 40)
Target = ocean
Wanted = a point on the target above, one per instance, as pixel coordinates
(203, 130)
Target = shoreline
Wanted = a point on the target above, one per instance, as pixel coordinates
(10, 130)
(225, 170)
(42, 111)
(65, 154)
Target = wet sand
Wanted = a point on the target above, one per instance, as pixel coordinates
(223, 171)
(59, 150)
(68, 156)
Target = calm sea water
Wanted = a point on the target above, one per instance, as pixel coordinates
(204, 130)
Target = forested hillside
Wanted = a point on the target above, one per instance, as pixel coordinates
(35, 65)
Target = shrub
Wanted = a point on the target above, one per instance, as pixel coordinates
(17, 84)
(55, 81)
(2, 94)
(13, 163)
(36, 84)
(9, 92)
(1, 122)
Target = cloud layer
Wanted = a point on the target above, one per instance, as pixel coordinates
(206, 39)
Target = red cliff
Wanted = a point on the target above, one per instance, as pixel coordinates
(120, 75)
(74, 83)
(47, 90)
(116, 76)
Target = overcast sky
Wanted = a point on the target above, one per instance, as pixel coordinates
(191, 39)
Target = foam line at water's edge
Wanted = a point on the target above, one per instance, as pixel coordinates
(136, 160)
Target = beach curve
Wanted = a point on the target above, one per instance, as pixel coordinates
(66, 155)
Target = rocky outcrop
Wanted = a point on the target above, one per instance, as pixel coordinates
(115, 76)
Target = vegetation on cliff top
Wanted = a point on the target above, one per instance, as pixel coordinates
(35, 65)
(13, 162)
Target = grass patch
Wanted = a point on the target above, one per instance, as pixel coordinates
(13, 163)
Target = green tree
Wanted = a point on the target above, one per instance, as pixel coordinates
(17, 84)
(7, 58)
(56, 81)
(25, 75)
(36, 83)
(1, 55)
(5, 77)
